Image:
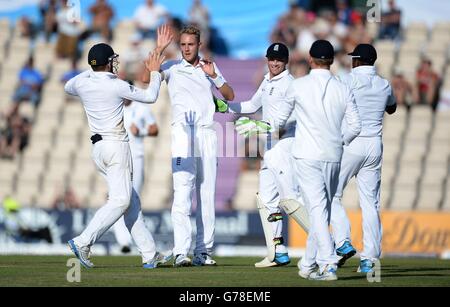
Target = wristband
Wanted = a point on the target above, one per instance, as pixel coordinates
(219, 81)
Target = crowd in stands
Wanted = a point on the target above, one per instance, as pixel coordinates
(345, 27)
(70, 35)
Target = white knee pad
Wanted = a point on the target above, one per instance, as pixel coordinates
(297, 211)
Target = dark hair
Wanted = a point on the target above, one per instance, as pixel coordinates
(99, 67)
(363, 62)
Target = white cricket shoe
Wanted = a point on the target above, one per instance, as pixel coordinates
(265, 263)
(203, 259)
(83, 253)
(328, 274)
(182, 260)
(157, 260)
(305, 272)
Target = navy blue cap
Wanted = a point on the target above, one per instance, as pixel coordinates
(278, 51)
(365, 52)
(322, 49)
(100, 54)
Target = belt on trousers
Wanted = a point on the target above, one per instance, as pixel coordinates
(95, 138)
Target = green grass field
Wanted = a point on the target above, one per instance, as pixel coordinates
(231, 272)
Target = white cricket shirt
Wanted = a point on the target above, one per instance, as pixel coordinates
(320, 103)
(372, 94)
(190, 91)
(101, 94)
(270, 95)
(141, 116)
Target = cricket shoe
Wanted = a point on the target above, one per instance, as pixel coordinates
(306, 272)
(265, 263)
(182, 260)
(346, 251)
(282, 259)
(365, 266)
(328, 274)
(203, 259)
(82, 253)
(158, 259)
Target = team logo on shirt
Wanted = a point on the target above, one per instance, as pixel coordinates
(184, 72)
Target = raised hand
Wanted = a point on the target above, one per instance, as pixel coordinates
(164, 38)
(154, 61)
(208, 67)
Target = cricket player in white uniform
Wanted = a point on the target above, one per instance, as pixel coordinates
(362, 159)
(102, 95)
(194, 146)
(139, 123)
(276, 179)
(320, 104)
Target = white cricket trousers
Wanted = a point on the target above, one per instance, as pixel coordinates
(194, 167)
(361, 159)
(113, 161)
(276, 181)
(318, 184)
(121, 232)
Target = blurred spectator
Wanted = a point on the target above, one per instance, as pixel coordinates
(199, 17)
(131, 60)
(148, 17)
(403, 90)
(30, 84)
(299, 68)
(102, 14)
(66, 200)
(343, 12)
(27, 224)
(284, 33)
(27, 28)
(390, 22)
(428, 82)
(68, 33)
(15, 136)
(48, 9)
(74, 71)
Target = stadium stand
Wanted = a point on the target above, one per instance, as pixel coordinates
(416, 166)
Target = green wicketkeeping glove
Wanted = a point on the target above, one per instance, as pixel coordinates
(248, 127)
(221, 105)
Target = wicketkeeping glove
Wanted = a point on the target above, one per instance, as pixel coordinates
(248, 127)
(221, 105)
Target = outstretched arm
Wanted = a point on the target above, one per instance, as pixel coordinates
(149, 95)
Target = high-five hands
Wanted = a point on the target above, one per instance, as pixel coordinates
(154, 61)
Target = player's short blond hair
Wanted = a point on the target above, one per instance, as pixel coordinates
(191, 30)
(323, 62)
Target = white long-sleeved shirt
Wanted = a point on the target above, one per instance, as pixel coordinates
(372, 94)
(270, 95)
(101, 94)
(320, 103)
(190, 91)
(141, 116)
